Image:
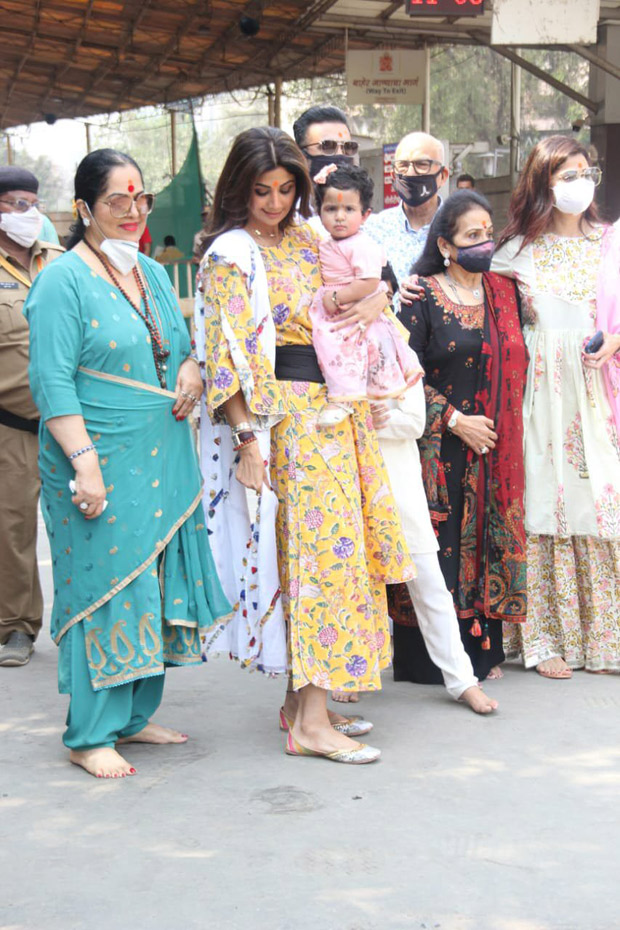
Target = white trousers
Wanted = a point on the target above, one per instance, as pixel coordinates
(439, 624)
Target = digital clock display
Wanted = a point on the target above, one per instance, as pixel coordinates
(445, 7)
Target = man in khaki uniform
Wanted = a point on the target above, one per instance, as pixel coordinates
(22, 256)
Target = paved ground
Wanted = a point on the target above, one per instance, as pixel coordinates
(505, 823)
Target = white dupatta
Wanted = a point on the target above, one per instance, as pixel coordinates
(243, 542)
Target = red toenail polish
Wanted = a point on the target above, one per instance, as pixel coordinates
(132, 771)
(185, 735)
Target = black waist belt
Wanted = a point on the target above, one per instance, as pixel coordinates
(15, 422)
(298, 363)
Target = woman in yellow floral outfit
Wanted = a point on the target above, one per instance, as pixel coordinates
(337, 534)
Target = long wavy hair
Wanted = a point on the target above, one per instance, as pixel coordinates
(444, 226)
(254, 152)
(532, 203)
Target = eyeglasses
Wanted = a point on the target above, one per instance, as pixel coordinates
(420, 165)
(331, 146)
(22, 206)
(591, 174)
(121, 204)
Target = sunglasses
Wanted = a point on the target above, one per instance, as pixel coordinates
(22, 206)
(331, 146)
(591, 174)
(121, 204)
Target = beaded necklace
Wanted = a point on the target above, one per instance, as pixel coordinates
(159, 353)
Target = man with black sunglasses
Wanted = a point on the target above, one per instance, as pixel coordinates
(323, 134)
(22, 256)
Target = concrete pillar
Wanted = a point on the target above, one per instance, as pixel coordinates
(605, 88)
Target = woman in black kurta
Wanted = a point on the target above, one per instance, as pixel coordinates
(467, 334)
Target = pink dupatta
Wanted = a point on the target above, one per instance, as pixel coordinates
(608, 311)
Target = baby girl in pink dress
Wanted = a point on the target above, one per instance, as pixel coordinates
(376, 362)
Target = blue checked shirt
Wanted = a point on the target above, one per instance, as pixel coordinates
(403, 245)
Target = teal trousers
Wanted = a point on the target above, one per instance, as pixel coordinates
(100, 718)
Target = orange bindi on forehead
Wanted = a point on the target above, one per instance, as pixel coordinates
(275, 185)
(339, 196)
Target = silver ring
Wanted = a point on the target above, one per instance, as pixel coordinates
(189, 396)
(361, 326)
(84, 506)
(484, 450)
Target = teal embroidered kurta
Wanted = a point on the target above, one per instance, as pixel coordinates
(141, 577)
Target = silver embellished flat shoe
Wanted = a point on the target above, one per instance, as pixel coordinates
(355, 726)
(359, 756)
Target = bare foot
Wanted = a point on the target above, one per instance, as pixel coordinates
(153, 733)
(495, 674)
(345, 697)
(323, 739)
(479, 702)
(102, 763)
(554, 668)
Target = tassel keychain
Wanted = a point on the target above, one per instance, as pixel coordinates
(476, 630)
(486, 642)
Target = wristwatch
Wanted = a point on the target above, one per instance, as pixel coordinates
(241, 439)
(453, 420)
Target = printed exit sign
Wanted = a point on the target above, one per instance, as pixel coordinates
(445, 7)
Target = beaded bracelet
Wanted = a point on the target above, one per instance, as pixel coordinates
(91, 448)
(246, 442)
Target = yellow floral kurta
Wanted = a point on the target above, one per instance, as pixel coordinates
(338, 534)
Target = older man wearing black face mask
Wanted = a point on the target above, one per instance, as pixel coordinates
(22, 256)
(418, 174)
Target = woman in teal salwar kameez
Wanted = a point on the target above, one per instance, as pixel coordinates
(134, 582)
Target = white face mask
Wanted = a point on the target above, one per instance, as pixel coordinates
(122, 253)
(23, 228)
(574, 196)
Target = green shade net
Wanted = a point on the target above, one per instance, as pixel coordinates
(178, 210)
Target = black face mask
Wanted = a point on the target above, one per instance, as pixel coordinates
(415, 189)
(316, 162)
(476, 258)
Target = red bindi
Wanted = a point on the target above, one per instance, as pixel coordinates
(130, 187)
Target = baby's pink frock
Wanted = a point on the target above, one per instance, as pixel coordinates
(375, 364)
